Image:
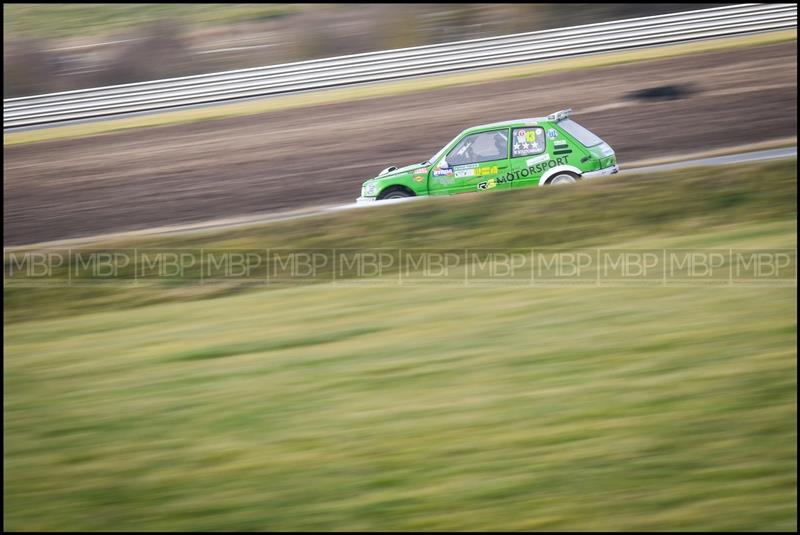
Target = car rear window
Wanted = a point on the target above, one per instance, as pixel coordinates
(584, 136)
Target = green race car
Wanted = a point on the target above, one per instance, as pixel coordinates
(512, 154)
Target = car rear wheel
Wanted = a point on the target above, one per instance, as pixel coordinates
(563, 178)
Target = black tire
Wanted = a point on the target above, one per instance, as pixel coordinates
(395, 192)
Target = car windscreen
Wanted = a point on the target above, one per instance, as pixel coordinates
(439, 154)
(584, 136)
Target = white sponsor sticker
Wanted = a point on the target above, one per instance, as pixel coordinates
(465, 172)
(538, 159)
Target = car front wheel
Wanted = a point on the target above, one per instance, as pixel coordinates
(395, 193)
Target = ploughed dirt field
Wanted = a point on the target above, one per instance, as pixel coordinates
(320, 155)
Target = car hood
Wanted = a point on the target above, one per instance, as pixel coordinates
(401, 170)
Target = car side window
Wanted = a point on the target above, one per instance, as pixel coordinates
(482, 147)
(527, 141)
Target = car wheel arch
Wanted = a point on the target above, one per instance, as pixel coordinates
(550, 173)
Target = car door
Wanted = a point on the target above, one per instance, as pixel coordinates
(476, 163)
(529, 155)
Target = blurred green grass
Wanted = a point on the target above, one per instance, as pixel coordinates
(326, 408)
(68, 20)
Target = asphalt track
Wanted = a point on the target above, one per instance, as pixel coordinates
(244, 221)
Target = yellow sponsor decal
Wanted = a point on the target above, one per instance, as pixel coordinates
(419, 178)
(489, 184)
(486, 171)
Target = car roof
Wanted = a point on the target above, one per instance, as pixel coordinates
(514, 122)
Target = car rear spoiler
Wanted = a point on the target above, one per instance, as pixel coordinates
(560, 115)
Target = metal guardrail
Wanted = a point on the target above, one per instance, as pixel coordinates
(142, 97)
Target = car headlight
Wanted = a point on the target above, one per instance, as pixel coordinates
(370, 189)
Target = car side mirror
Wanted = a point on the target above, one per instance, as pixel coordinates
(443, 164)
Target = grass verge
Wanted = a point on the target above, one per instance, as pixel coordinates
(634, 208)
